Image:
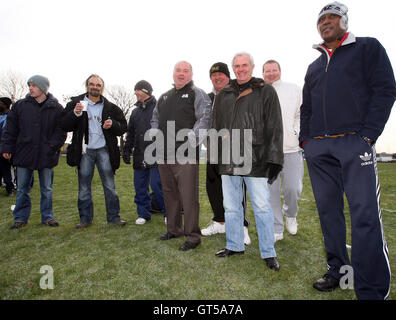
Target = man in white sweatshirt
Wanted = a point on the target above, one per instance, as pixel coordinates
(293, 169)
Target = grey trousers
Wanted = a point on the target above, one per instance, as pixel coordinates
(180, 183)
(290, 181)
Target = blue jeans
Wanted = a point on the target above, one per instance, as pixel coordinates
(142, 179)
(23, 204)
(260, 199)
(100, 157)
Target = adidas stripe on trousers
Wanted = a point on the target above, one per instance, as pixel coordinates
(348, 165)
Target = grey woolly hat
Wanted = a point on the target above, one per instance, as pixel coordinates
(144, 86)
(41, 82)
(338, 9)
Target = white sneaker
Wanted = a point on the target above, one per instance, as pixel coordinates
(278, 236)
(13, 207)
(246, 238)
(213, 228)
(291, 225)
(140, 221)
(166, 220)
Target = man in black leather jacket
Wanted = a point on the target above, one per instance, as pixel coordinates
(251, 108)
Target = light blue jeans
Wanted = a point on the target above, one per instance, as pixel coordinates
(101, 158)
(259, 196)
(22, 202)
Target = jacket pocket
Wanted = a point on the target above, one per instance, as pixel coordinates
(52, 155)
(24, 151)
(73, 157)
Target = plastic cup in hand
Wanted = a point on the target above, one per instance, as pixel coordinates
(84, 104)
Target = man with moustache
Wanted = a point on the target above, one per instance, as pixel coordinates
(185, 107)
(33, 138)
(348, 95)
(95, 142)
(249, 104)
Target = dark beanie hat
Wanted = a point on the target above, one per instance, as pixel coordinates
(144, 86)
(219, 67)
(6, 101)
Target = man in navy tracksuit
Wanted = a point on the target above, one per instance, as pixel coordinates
(347, 98)
(144, 174)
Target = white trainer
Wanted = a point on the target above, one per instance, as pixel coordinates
(166, 220)
(213, 228)
(278, 236)
(291, 225)
(246, 238)
(140, 221)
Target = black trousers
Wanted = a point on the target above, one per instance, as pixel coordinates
(215, 194)
(5, 173)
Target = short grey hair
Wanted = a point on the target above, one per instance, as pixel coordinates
(239, 54)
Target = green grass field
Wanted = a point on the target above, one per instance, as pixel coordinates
(111, 262)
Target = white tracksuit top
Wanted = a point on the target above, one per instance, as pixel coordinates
(290, 99)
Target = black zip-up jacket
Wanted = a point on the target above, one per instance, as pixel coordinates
(189, 108)
(33, 134)
(256, 108)
(79, 126)
(139, 123)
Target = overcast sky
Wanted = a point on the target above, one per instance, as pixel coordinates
(126, 41)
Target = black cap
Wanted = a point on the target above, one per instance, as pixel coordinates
(6, 101)
(144, 86)
(219, 67)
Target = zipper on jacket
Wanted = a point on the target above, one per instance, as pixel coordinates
(328, 55)
(324, 102)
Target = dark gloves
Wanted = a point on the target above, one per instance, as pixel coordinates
(126, 157)
(273, 172)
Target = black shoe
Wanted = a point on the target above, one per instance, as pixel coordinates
(188, 245)
(226, 253)
(51, 223)
(83, 225)
(327, 283)
(118, 222)
(272, 263)
(167, 236)
(18, 225)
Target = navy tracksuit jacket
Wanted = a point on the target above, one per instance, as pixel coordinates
(348, 95)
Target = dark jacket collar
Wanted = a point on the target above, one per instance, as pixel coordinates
(187, 86)
(50, 101)
(143, 105)
(252, 83)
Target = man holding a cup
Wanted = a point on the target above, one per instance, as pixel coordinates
(96, 124)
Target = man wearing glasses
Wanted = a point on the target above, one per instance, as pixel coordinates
(96, 123)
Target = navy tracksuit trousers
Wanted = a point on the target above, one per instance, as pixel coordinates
(348, 164)
(142, 179)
